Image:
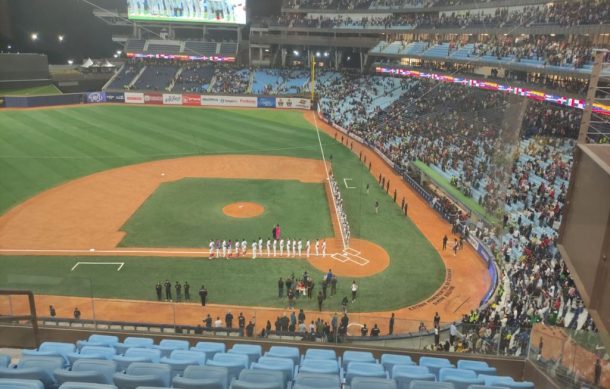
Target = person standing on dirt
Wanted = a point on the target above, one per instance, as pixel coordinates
(320, 300)
(333, 285)
(391, 331)
(159, 290)
(168, 290)
(52, 312)
(203, 295)
(445, 239)
(229, 320)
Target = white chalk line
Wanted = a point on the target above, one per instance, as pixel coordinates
(119, 264)
(345, 180)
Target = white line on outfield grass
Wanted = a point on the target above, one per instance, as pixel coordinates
(315, 120)
(120, 264)
(57, 251)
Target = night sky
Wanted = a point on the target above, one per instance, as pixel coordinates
(85, 35)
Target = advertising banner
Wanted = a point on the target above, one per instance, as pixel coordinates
(172, 99)
(153, 98)
(96, 97)
(266, 102)
(190, 99)
(229, 101)
(115, 97)
(134, 98)
(293, 103)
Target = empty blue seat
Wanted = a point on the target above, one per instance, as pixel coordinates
(486, 387)
(203, 377)
(137, 355)
(430, 385)
(180, 359)
(92, 352)
(87, 370)
(274, 378)
(320, 353)
(318, 381)
(404, 374)
(460, 378)
(478, 367)
(357, 356)
(85, 385)
(284, 352)
(99, 340)
(133, 341)
(143, 374)
(51, 349)
(283, 364)
(5, 360)
(168, 345)
(9, 383)
(372, 383)
(434, 364)
(253, 351)
(389, 360)
(210, 348)
(234, 362)
(517, 385)
(364, 369)
(492, 380)
(320, 366)
(35, 368)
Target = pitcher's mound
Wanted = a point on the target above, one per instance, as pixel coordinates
(243, 210)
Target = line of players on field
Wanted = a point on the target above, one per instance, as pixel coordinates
(294, 248)
(339, 203)
(195, 9)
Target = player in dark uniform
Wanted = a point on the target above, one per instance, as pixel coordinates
(203, 295)
(159, 290)
(187, 291)
(168, 290)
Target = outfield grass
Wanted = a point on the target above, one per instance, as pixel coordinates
(31, 91)
(188, 213)
(40, 149)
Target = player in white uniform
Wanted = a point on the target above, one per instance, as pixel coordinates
(260, 246)
(324, 248)
(281, 247)
(211, 253)
(308, 247)
(254, 250)
(288, 247)
(294, 247)
(317, 247)
(217, 248)
(300, 246)
(274, 246)
(224, 248)
(268, 247)
(230, 248)
(244, 247)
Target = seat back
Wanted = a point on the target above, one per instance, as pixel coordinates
(262, 376)
(233, 367)
(285, 352)
(322, 366)
(150, 354)
(372, 383)
(255, 385)
(233, 358)
(135, 341)
(174, 344)
(390, 360)
(430, 385)
(189, 355)
(48, 364)
(9, 383)
(108, 340)
(107, 352)
(60, 348)
(84, 385)
(210, 348)
(5, 360)
(320, 353)
(104, 367)
(280, 363)
(357, 356)
(449, 372)
(203, 377)
(143, 374)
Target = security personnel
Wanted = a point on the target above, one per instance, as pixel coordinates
(203, 294)
(241, 321)
(159, 290)
(187, 291)
(168, 290)
(178, 291)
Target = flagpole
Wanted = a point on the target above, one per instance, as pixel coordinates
(313, 78)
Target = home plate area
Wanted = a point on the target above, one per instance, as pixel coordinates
(351, 255)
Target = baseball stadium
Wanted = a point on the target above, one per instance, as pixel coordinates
(304, 194)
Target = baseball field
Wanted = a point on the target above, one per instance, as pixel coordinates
(104, 201)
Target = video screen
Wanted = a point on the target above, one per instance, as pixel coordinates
(196, 11)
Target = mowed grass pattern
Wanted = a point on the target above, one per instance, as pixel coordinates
(41, 149)
(188, 213)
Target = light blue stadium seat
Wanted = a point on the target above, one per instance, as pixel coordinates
(404, 374)
(320, 366)
(92, 352)
(143, 374)
(318, 381)
(372, 383)
(434, 364)
(168, 345)
(8, 383)
(486, 387)
(51, 349)
(430, 385)
(320, 353)
(517, 385)
(210, 348)
(253, 351)
(132, 341)
(234, 362)
(460, 378)
(390, 360)
(492, 380)
(203, 377)
(272, 368)
(357, 356)
(85, 385)
(35, 368)
(99, 340)
(98, 371)
(478, 367)
(364, 369)
(284, 352)
(275, 378)
(283, 364)
(5, 360)
(137, 355)
(180, 359)
(254, 385)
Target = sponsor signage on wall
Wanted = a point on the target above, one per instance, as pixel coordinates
(293, 103)
(172, 99)
(115, 97)
(96, 97)
(190, 99)
(153, 98)
(266, 102)
(134, 98)
(229, 101)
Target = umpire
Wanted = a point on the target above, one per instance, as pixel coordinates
(203, 294)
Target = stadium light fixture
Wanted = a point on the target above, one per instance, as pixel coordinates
(60, 38)
(9, 47)
(116, 56)
(119, 52)
(34, 36)
(70, 62)
(295, 52)
(326, 53)
(318, 54)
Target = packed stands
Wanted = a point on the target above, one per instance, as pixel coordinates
(194, 77)
(231, 81)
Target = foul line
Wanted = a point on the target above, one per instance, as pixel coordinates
(315, 119)
(121, 264)
(345, 180)
(101, 251)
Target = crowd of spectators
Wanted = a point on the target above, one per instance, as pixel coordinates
(229, 80)
(195, 77)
